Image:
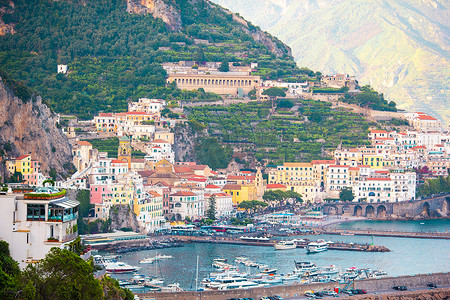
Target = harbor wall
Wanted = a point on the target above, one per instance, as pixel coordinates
(296, 290)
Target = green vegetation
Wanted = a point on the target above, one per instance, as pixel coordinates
(282, 138)
(279, 198)
(346, 195)
(209, 152)
(110, 145)
(369, 98)
(211, 211)
(434, 186)
(328, 90)
(252, 206)
(62, 274)
(114, 56)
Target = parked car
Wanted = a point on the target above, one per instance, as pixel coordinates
(319, 294)
(400, 288)
(330, 293)
(432, 285)
(359, 291)
(276, 297)
(310, 295)
(348, 292)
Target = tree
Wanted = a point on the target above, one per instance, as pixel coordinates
(274, 92)
(224, 67)
(346, 195)
(211, 212)
(9, 271)
(63, 275)
(210, 152)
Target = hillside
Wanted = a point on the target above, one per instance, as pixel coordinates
(399, 47)
(27, 126)
(114, 48)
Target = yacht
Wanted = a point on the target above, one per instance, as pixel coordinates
(305, 268)
(285, 245)
(120, 267)
(289, 277)
(148, 260)
(315, 247)
(330, 270)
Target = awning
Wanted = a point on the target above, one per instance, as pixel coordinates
(65, 202)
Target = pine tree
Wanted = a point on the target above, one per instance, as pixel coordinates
(211, 212)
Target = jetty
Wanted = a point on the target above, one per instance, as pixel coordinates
(386, 233)
(343, 246)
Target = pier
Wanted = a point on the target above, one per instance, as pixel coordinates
(236, 241)
(402, 234)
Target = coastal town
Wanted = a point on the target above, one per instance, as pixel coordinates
(171, 149)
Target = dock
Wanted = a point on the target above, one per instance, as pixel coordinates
(402, 234)
(236, 241)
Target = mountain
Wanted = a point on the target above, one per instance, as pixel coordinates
(28, 126)
(114, 48)
(400, 47)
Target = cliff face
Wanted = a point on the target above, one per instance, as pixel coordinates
(8, 7)
(123, 217)
(159, 9)
(29, 128)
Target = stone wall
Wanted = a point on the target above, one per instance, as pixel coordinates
(285, 291)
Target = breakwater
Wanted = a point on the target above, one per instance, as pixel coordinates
(401, 234)
(138, 245)
(296, 290)
(335, 246)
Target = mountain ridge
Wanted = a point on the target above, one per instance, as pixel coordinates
(401, 48)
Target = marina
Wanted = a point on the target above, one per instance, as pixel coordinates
(405, 258)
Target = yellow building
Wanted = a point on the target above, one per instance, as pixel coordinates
(149, 211)
(241, 192)
(377, 161)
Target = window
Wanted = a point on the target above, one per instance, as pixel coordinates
(35, 212)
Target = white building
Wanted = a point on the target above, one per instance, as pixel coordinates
(151, 106)
(224, 204)
(32, 224)
(62, 69)
(159, 150)
(185, 204)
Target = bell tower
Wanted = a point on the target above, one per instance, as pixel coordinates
(124, 151)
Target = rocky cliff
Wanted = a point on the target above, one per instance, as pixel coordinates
(159, 9)
(7, 7)
(123, 217)
(29, 127)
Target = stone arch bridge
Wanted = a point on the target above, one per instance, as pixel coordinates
(430, 207)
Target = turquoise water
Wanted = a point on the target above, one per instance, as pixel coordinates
(439, 225)
(407, 257)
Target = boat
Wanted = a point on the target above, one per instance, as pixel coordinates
(305, 268)
(220, 260)
(379, 274)
(289, 277)
(112, 257)
(315, 247)
(174, 287)
(285, 245)
(269, 271)
(347, 233)
(330, 270)
(120, 267)
(160, 257)
(148, 260)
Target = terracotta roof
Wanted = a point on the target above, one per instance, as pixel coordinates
(377, 178)
(183, 193)
(212, 186)
(246, 172)
(136, 113)
(275, 186)
(382, 172)
(182, 169)
(239, 177)
(197, 179)
(426, 117)
(22, 156)
(231, 187)
(378, 131)
(154, 194)
(145, 173)
(116, 161)
(327, 162)
(84, 143)
(105, 114)
(222, 194)
(198, 167)
(354, 168)
(160, 141)
(339, 166)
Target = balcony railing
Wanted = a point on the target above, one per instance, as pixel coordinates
(69, 237)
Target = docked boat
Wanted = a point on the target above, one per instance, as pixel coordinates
(379, 274)
(269, 271)
(220, 260)
(329, 270)
(315, 247)
(289, 277)
(285, 245)
(305, 268)
(148, 260)
(120, 267)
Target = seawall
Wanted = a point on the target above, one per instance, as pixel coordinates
(295, 290)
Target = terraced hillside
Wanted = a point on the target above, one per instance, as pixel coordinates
(301, 132)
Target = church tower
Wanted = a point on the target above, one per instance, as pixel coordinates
(259, 184)
(124, 151)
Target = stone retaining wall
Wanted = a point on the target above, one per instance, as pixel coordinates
(298, 289)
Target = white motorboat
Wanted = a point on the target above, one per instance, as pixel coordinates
(329, 270)
(148, 260)
(289, 277)
(305, 268)
(379, 274)
(120, 267)
(285, 245)
(315, 247)
(269, 271)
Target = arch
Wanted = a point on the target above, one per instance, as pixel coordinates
(346, 209)
(190, 81)
(370, 211)
(178, 217)
(426, 209)
(183, 80)
(381, 211)
(178, 204)
(371, 194)
(228, 82)
(357, 211)
(332, 210)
